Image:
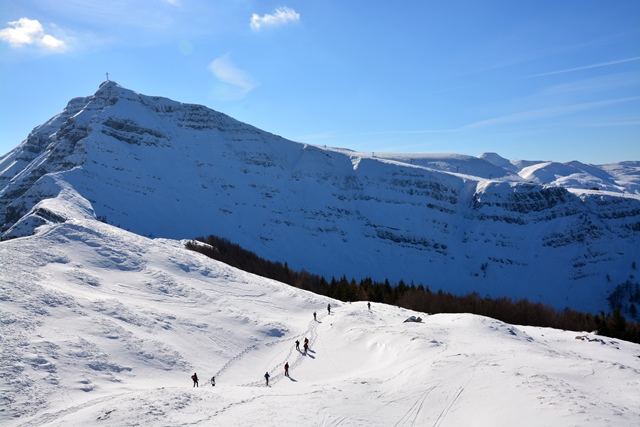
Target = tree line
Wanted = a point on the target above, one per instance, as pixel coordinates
(418, 297)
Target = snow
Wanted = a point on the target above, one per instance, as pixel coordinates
(101, 326)
(161, 168)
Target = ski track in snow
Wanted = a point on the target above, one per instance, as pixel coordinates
(412, 414)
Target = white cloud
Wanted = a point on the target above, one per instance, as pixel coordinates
(281, 16)
(238, 82)
(24, 31)
(27, 31)
(52, 43)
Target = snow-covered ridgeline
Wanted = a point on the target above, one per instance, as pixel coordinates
(156, 167)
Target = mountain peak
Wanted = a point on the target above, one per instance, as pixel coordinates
(112, 91)
(109, 83)
(109, 86)
(162, 168)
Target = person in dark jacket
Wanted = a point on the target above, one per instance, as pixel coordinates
(213, 380)
(286, 369)
(266, 377)
(329, 308)
(298, 345)
(194, 377)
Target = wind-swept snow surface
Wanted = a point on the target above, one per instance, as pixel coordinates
(103, 327)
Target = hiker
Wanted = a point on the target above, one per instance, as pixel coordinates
(194, 377)
(306, 347)
(286, 369)
(369, 305)
(266, 377)
(314, 315)
(329, 308)
(213, 381)
(298, 345)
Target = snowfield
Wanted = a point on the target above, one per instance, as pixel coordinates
(100, 326)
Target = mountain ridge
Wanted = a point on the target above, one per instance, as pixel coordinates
(563, 234)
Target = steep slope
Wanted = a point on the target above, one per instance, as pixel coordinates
(102, 326)
(160, 168)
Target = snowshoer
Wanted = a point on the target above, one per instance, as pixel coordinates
(286, 369)
(266, 377)
(306, 347)
(298, 345)
(213, 380)
(369, 305)
(329, 308)
(194, 377)
(314, 315)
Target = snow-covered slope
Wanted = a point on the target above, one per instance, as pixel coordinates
(160, 168)
(101, 326)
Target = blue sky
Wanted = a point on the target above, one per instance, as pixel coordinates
(535, 80)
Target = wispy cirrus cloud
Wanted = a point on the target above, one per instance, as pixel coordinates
(548, 112)
(237, 83)
(25, 32)
(281, 16)
(531, 115)
(587, 67)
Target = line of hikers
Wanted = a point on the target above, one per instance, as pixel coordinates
(194, 377)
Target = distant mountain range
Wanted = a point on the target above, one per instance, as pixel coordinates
(561, 233)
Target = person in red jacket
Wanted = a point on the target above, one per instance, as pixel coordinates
(286, 369)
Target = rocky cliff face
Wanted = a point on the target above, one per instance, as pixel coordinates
(160, 168)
